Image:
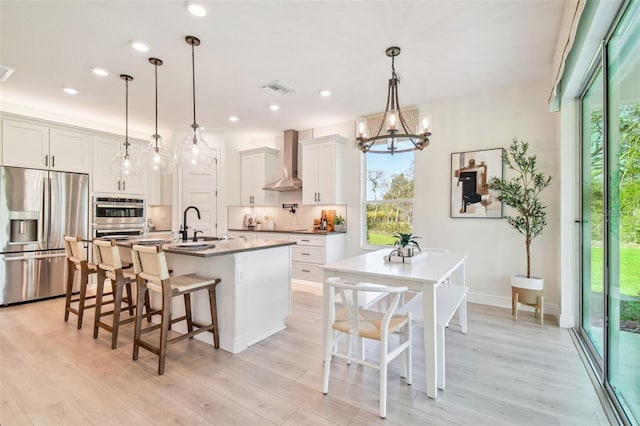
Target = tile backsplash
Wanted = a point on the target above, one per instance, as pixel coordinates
(283, 217)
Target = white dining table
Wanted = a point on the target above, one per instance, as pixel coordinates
(423, 275)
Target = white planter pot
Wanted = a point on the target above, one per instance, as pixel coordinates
(521, 281)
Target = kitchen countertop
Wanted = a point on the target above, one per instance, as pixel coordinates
(218, 247)
(287, 231)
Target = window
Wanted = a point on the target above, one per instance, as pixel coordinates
(389, 197)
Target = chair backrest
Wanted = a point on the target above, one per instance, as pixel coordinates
(351, 303)
(149, 262)
(106, 255)
(74, 249)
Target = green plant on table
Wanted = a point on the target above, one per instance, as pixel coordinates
(403, 240)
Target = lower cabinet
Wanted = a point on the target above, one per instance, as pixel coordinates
(313, 251)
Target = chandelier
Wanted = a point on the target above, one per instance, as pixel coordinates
(397, 137)
(194, 152)
(122, 165)
(154, 159)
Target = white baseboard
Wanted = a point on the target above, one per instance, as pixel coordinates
(505, 302)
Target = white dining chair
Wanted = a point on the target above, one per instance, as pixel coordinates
(351, 319)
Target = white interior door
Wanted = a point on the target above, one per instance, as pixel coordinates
(200, 189)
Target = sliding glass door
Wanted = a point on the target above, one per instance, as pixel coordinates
(593, 216)
(610, 296)
(623, 200)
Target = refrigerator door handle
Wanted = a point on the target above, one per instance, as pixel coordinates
(42, 256)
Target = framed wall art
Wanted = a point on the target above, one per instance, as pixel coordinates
(471, 172)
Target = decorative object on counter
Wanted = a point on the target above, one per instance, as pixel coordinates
(122, 164)
(250, 221)
(339, 224)
(154, 159)
(325, 223)
(522, 192)
(194, 152)
(269, 224)
(398, 137)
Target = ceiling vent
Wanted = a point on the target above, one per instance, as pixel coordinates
(5, 73)
(277, 88)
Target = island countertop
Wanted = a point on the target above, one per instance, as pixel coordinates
(215, 247)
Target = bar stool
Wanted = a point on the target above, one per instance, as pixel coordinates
(150, 266)
(109, 265)
(77, 261)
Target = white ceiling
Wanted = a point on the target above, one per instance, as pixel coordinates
(449, 49)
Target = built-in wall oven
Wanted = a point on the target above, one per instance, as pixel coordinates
(118, 217)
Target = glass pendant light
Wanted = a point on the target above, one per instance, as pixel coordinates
(194, 152)
(123, 165)
(154, 159)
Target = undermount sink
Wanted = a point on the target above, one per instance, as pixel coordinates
(206, 238)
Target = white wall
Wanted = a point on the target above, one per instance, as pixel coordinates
(496, 251)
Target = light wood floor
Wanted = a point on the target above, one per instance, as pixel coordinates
(501, 373)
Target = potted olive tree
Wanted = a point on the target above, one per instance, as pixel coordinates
(522, 193)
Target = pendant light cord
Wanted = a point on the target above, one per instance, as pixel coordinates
(193, 74)
(156, 133)
(126, 119)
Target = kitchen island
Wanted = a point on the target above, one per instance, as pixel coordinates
(254, 296)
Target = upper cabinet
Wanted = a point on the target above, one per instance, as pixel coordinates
(322, 169)
(37, 146)
(104, 150)
(257, 169)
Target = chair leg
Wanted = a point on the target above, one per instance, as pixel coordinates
(383, 378)
(130, 299)
(164, 330)
(214, 316)
(71, 269)
(117, 287)
(84, 280)
(541, 302)
(515, 307)
(99, 294)
(142, 294)
(187, 310)
(328, 346)
(349, 344)
(409, 355)
(147, 305)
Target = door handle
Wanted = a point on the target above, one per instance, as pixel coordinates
(318, 197)
(53, 161)
(44, 256)
(118, 185)
(124, 185)
(46, 160)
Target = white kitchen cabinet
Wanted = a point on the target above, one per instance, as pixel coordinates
(257, 169)
(39, 146)
(313, 251)
(104, 150)
(247, 235)
(322, 170)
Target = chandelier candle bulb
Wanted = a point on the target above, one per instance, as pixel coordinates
(362, 128)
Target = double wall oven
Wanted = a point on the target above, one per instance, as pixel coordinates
(118, 217)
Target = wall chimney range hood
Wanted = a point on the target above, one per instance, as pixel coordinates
(289, 181)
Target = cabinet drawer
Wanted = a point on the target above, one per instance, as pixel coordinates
(245, 235)
(309, 240)
(309, 254)
(306, 271)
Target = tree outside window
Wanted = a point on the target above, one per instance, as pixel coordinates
(389, 197)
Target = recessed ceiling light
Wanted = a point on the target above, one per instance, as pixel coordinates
(139, 45)
(233, 118)
(324, 93)
(70, 91)
(274, 107)
(196, 9)
(100, 72)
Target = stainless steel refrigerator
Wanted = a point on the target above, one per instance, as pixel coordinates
(37, 209)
